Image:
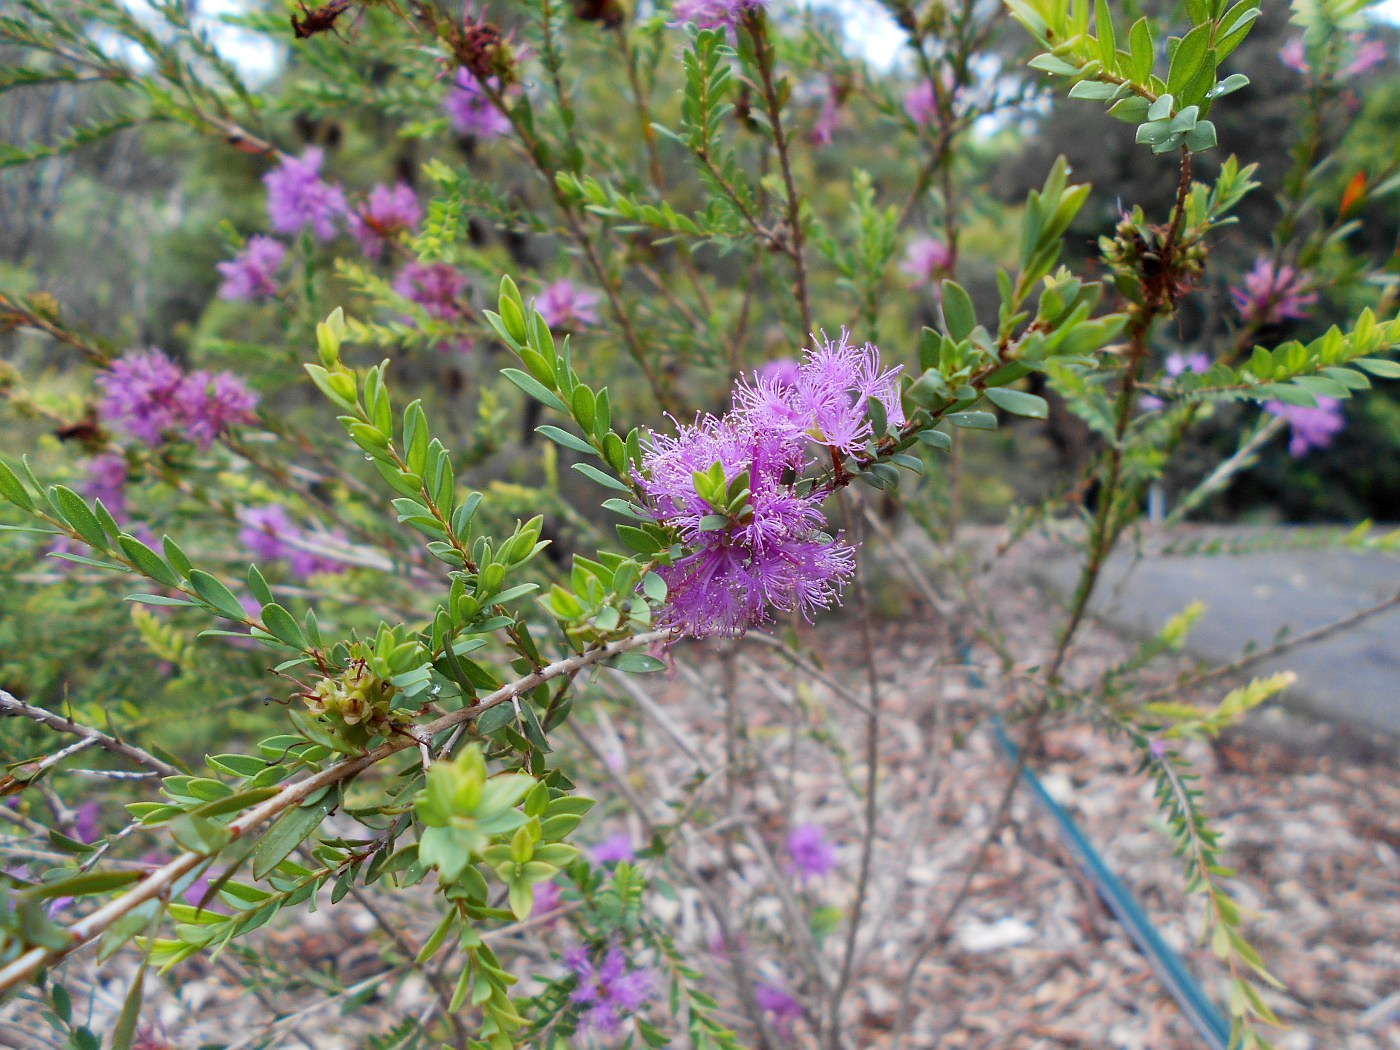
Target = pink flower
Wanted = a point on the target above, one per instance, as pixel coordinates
(1310, 427)
(387, 212)
(1365, 55)
(298, 198)
(567, 306)
(1271, 294)
(925, 260)
(252, 273)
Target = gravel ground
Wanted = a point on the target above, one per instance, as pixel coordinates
(1034, 960)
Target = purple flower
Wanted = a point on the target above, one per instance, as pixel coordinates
(921, 104)
(782, 372)
(209, 404)
(298, 198)
(712, 14)
(1179, 363)
(824, 128)
(471, 110)
(1310, 427)
(252, 273)
(609, 991)
(270, 535)
(925, 260)
(140, 394)
(436, 287)
(86, 827)
(756, 541)
(831, 400)
(148, 395)
(614, 849)
(811, 856)
(770, 553)
(566, 305)
(1273, 293)
(106, 480)
(547, 899)
(387, 212)
(781, 1005)
(1150, 403)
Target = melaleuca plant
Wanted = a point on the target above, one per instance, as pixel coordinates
(382, 665)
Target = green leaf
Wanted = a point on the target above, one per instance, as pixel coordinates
(85, 885)
(636, 663)
(938, 439)
(13, 489)
(591, 472)
(283, 626)
(1018, 402)
(973, 420)
(289, 833)
(74, 510)
(1142, 53)
(147, 561)
(125, 1030)
(1189, 57)
(217, 595)
(959, 316)
(563, 437)
(157, 599)
(535, 389)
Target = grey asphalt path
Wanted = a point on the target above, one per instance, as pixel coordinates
(1352, 677)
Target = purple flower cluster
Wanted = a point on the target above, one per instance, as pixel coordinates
(269, 534)
(298, 198)
(925, 260)
(713, 14)
(780, 1005)
(152, 398)
(470, 109)
(1273, 293)
(567, 306)
(1309, 428)
(757, 541)
(387, 212)
(436, 287)
(810, 856)
(252, 273)
(609, 991)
